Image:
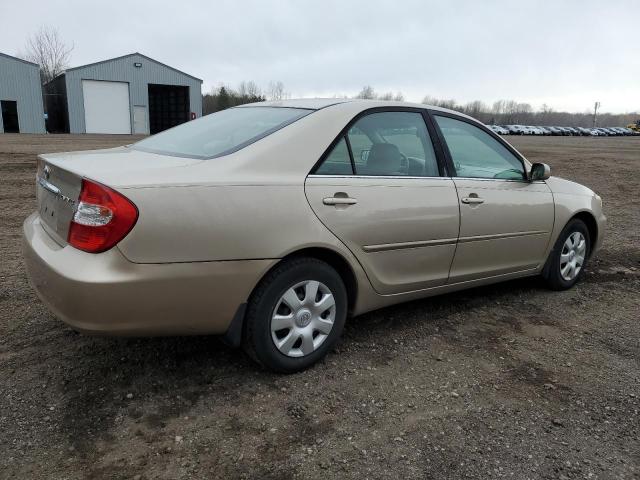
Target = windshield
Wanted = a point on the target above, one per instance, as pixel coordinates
(220, 133)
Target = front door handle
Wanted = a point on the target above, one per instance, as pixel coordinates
(339, 201)
(472, 200)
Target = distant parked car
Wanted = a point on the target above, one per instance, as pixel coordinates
(515, 129)
(554, 130)
(498, 129)
(584, 131)
(545, 130)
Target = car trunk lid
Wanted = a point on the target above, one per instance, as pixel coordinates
(59, 180)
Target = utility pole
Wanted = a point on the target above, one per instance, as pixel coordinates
(596, 106)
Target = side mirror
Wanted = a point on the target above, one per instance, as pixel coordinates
(539, 171)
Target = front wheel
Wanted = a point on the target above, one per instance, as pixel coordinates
(296, 315)
(568, 258)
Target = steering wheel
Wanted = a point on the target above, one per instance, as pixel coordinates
(404, 162)
(504, 174)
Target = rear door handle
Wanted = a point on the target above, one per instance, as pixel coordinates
(339, 201)
(472, 200)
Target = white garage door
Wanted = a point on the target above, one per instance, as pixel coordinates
(106, 107)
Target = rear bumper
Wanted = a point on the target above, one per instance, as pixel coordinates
(107, 294)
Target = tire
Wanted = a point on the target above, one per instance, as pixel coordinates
(297, 277)
(557, 272)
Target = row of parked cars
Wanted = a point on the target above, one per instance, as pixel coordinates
(576, 131)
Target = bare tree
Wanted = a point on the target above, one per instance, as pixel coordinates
(47, 49)
(429, 100)
(398, 97)
(249, 89)
(475, 108)
(367, 92)
(276, 91)
(505, 112)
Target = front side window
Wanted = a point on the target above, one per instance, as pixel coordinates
(476, 154)
(220, 133)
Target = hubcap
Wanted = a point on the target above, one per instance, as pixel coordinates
(572, 256)
(303, 318)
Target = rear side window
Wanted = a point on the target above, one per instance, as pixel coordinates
(384, 144)
(221, 133)
(338, 162)
(476, 154)
(392, 144)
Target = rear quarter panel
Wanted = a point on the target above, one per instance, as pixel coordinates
(221, 223)
(209, 223)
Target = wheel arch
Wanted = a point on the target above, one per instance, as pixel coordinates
(592, 226)
(337, 262)
(233, 336)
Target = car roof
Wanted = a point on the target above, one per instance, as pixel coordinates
(320, 103)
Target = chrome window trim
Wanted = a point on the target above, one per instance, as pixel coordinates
(483, 179)
(403, 177)
(390, 177)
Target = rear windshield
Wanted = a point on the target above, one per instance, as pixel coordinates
(220, 133)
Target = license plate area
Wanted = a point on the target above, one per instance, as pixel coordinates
(48, 204)
(56, 203)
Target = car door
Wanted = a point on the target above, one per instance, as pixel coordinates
(381, 190)
(505, 220)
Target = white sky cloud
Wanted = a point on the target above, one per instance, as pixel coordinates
(566, 54)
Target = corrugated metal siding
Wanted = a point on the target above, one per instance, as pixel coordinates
(123, 70)
(20, 82)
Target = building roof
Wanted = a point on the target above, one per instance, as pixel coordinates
(19, 59)
(131, 55)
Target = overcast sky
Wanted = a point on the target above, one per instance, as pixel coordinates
(566, 53)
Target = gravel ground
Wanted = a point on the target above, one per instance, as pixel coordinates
(510, 380)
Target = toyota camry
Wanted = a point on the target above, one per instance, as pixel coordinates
(272, 223)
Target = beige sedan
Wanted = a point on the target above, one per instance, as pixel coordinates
(272, 223)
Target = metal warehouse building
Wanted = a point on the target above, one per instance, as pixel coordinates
(129, 94)
(20, 96)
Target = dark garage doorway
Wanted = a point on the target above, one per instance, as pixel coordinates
(10, 116)
(168, 106)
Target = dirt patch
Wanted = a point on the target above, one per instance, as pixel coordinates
(510, 380)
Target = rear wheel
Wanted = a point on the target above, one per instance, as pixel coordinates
(568, 258)
(296, 315)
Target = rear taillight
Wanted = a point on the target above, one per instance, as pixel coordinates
(102, 218)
